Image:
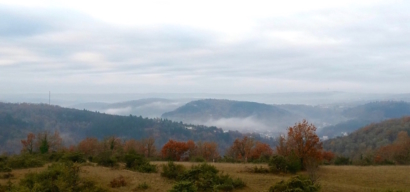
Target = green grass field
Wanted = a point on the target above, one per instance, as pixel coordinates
(331, 178)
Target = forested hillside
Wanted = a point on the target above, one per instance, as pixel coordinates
(149, 107)
(238, 115)
(17, 120)
(366, 140)
(362, 115)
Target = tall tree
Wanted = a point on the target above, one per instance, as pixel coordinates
(303, 142)
(28, 144)
(241, 149)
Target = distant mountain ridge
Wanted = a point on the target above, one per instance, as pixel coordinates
(148, 107)
(365, 114)
(366, 139)
(238, 115)
(17, 120)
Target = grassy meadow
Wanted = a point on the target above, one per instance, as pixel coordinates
(331, 178)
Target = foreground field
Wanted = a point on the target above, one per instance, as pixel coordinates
(332, 178)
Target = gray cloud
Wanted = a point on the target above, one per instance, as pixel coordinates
(354, 49)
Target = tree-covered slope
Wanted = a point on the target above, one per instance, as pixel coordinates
(240, 115)
(368, 138)
(17, 120)
(362, 115)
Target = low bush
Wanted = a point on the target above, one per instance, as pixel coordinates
(4, 167)
(118, 182)
(184, 186)
(139, 163)
(25, 161)
(278, 164)
(106, 159)
(340, 160)
(295, 184)
(172, 170)
(74, 157)
(141, 186)
(197, 159)
(205, 177)
(7, 176)
(58, 177)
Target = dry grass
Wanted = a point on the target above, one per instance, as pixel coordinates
(332, 178)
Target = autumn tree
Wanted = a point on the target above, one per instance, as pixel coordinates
(173, 150)
(398, 152)
(28, 144)
(302, 142)
(241, 148)
(261, 149)
(48, 142)
(207, 150)
(149, 145)
(89, 146)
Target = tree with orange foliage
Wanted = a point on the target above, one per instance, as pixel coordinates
(328, 156)
(398, 152)
(241, 149)
(89, 146)
(303, 142)
(260, 149)
(207, 150)
(28, 144)
(173, 150)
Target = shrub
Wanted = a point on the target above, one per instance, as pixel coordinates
(141, 186)
(55, 156)
(340, 160)
(293, 164)
(184, 186)
(206, 178)
(277, 164)
(172, 170)
(260, 169)
(118, 182)
(24, 161)
(139, 163)
(106, 159)
(4, 168)
(58, 177)
(295, 184)
(7, 176)
(74, 157)
(197, 159)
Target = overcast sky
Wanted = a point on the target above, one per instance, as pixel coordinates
(204, 47)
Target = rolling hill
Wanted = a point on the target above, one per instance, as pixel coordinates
(234, 115)
(149, 107)
(17, 120)
(368, 138)
(361, 115)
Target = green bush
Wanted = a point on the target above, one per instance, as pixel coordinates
(278, 164)
(139, 163)
(205, 177)
(172, 170)
(142, 186)
(24, 161)
(106, 159)
(295, 184)
(260, 169)
(55, 156)
(184, 186)
(58, 177)
(340, 160)
(197, 159)
(74, 157)
(4, 167)
(291, 163)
